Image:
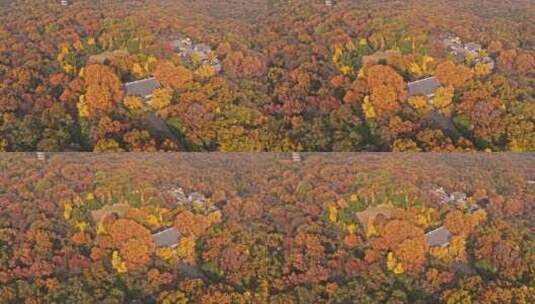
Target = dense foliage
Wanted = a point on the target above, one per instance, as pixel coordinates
(297, 75)
(277, 231)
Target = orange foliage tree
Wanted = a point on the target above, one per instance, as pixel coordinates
(134, 242)
(103, 89)
(387, 90)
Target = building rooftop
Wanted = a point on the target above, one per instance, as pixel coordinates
(182, 45)
(439, 237)
(142, 88)
(425, 87)
(196, 197)
(179, 196)
(472, 46)
(458, 196)
(166, 238)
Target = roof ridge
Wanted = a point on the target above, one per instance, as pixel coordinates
(167, 229)
(140, 80)
(427, 78)
(441, 227)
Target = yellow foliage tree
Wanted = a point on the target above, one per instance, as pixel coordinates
(337, 59)
(415, 70)
(368, 109)
(195, 58)
(214, 217)
(83, 107)
(404, 145)
(333, 214)
(107, 145)
(81, 226)
(133, 103)
(100, 228)
(186, 249)
(419, 103)
(167, 254)
(149, 63)
(345, 70)
(67, 210)
(172, 297)
(481, 69)
(370, 228)
(424, 217)
(440, 253)
(421, 67)
(90, 196)
(479, 215)
(455, 251)
(457, 248)
(161, 98)
(205, 71)
(3, 145)
(351, 228)
(337, 54)
(443, 99)
(64, 51)
(117, 262)
(393, 265)
(152, 220)
(138, 70)
(361, 74)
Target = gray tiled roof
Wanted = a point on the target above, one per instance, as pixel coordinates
(166, 238)
(425, 87)
(438, 237)
(142, 88)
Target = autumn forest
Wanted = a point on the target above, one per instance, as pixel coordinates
(383, 151)
(263, 228)
(267, 75)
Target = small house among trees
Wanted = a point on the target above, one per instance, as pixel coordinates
(424, 87)
(201, 51)
(166, 238)
(439, 237)
(461, 52)
(142, 88)
(472, 47)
